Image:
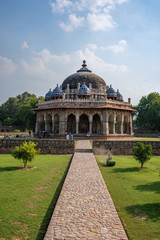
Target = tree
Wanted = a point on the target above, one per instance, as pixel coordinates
(26, 114)
(148, 112)
(25, 152)
(142, 153)
(8, 121)
(20, 110)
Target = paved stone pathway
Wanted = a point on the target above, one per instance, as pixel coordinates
(84, 209)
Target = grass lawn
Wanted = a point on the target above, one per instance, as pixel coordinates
(146, 139)
(136, 195)
(28, 196)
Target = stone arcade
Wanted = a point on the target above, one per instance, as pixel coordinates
(84, 103)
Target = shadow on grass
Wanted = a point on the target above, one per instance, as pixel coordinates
(4, 169)
(154, 187)
(49, 212)
(102, 164)
(145, 211)
(132, 169)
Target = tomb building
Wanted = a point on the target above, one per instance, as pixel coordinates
(85, 104)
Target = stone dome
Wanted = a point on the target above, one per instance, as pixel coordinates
(81, 76)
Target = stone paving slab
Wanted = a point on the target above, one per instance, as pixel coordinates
(84, 209)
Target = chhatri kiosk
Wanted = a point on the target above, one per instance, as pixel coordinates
(84, 103)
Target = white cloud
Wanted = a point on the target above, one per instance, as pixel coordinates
(116, 48)
(74, 22)
(97, 63)
(121, 1)
(92, 46)
(100, 21)
(97, 13)
(60, 5)
(43, 70)
(7, 66)
(24, 45)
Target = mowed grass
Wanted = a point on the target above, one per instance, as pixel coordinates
(28, 196)
(146, 139)
(136, 195)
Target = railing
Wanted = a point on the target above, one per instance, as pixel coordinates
(89, 101)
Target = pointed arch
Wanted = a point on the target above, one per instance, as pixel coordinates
(118, 124)
(126, 125)
(41, 123)
(49, 122)
(83, 124)
(96, 124)
(71, 123)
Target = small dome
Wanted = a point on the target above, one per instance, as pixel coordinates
(57, 92)
(111, 92)
(119, 96)
(84, 90)
(49, 96)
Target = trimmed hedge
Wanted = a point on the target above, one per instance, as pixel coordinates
(111, 163)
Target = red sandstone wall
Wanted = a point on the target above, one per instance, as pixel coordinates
(48, 146)
(122, 147)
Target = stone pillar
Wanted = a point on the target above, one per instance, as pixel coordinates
(90, 127)
(37, 128)
(114, 121)
(90, 124)
(130, 125)
(53, 122)
(77, 127)
(105, 123)
(77, 124)
(62, 122)
(45, 121)
(122, 124)
(107, 127)
(37, 125)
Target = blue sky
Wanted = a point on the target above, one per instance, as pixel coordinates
(44, 41)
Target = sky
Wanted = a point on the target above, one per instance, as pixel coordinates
(42, 42)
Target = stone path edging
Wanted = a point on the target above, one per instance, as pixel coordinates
(85, 209)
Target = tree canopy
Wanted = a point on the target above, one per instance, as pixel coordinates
(19, 110)
(25, 152)
(142, 153)
(148, 112)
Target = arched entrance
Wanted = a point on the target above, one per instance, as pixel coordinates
(41, 124)
(49, 122)
(126, 125)
(71, 124)
(56, 124)
(96, 125)
(83, 124)
(118, 124)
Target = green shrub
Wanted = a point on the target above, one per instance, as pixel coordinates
(111, 163)
(17, 131)
(25, 152)
(142, 153)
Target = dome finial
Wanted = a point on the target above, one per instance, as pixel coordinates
(84, 65)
